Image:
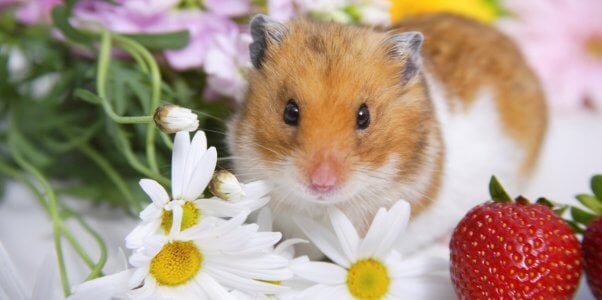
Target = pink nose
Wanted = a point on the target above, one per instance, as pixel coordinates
(323, 178)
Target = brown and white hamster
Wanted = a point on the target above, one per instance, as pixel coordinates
(358, 118)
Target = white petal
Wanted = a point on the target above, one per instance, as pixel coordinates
(176, 220)
(199, 232)
(416, 266)
(47, 280)
(385, 230)
(320, 272)
(323, 239)
(137, 277)
(135, 239)
(180, 150)
(286, 248)
(155, 191)
(321, 291)
(425, 287)
(398, 217)
(219, 208)
(265, 219)
(257, 189)
(197, 150)
(147, 292)
(201, 175)
(213, 289)
(151, 212)
(105, 287)
(245, 284)
(10, 282)
(346, 233)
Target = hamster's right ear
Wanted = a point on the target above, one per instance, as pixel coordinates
(265, 32)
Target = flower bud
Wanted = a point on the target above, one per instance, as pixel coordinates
(225, 186)
(172, 118)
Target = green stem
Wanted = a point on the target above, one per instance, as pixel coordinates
(52, 206)
(102, 163)
(14, 173)
(101, 81)
(155, 98)
(76, 245)
(126, 149)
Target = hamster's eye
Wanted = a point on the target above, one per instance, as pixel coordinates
(291, 113)
(363, 117)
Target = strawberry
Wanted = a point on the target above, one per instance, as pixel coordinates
(592, 235)
(514, 250)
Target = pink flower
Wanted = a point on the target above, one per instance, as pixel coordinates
(227, 63)
(228, 8)
(36, 11)
(562, 40)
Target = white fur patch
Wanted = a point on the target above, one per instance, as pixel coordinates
(476, 148)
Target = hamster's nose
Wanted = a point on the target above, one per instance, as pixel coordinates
(324, 178)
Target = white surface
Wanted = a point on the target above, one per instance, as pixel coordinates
(571, 155)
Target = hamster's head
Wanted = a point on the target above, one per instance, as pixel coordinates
(333, 112)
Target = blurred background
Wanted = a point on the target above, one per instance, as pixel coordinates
(72, 73)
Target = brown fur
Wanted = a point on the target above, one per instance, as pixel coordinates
(466, 56)
(330, 70)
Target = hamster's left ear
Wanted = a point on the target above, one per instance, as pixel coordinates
(266, 32)
(405, 47)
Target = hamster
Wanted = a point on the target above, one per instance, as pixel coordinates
(360, 118)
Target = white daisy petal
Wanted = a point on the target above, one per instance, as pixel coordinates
(286, 248)
(10, 282)
(155, 191)
(135, 239)
(105, 287)
(146, 292)
(416, 266)
(323, 239)
(181, 147)
(241, 283)
(317, 291)
(195, 153)
(265, 219)
(176, 218)
(213, 289)
(151, 212)
(201, 175)
(346, 233)
(320, 272)
(218, 208)
(257, 189)
(137, 277)
(425, 287)
(398, 217)
(370, 242)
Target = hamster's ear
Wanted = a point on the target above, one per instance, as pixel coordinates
(265, 32)
(405, 47)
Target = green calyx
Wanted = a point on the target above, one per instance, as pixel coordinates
(498, 194)
(581, 218)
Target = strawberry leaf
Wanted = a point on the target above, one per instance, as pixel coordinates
(497, 192)
(590, 202)
(581, 216)
(597, 186)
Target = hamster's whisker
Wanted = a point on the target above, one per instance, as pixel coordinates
(200, 112)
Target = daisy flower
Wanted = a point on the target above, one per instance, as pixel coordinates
(368, 268)
(192, 169)
(207, 261)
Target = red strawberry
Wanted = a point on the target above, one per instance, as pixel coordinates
(592, 256)
(502, 249)
(592, 237)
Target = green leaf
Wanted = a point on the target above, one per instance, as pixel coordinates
(581, 216)
(545, 201)
(497, 192)
(597, 186)
(590, 202)
(60, 18)
(160, 41)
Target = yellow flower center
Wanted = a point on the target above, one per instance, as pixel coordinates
(593, 47)
(190, 217)
(368, 279)
(176, 263)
